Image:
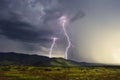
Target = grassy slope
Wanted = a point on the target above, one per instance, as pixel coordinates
(33, 60)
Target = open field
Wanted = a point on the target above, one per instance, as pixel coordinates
(59, 73)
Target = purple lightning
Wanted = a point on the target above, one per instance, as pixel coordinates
(52, 46)
(63, 21)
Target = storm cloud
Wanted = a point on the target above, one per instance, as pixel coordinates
(29, 24)
(23, 32)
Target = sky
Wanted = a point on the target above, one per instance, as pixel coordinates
(27, 26)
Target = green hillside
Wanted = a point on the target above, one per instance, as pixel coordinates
(33, 60)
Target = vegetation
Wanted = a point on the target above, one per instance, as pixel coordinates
(58, 73)
(15, 66)
(12, 58)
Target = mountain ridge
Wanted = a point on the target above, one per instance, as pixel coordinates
(12, 58)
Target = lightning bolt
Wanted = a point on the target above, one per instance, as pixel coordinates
(52, 46)
(63, 20)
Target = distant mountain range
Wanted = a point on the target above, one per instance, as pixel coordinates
(12, 58)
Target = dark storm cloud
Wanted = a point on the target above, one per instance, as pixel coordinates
(78, 16)
(21, 31)
(52, 15)
(13, 12)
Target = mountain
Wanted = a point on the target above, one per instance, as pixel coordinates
(12, 58)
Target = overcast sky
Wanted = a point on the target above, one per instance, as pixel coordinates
(26, 26)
